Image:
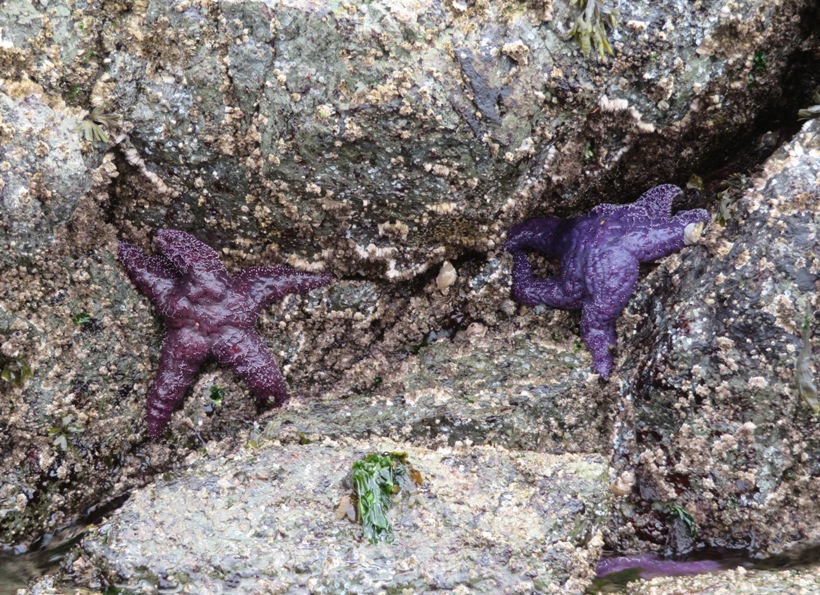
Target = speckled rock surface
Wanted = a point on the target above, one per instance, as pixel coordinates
(374, 142)
(485, 520)
(511, 387)
(417, 368)
(386, 137)
(42, 170)
(710, 386)
(803, 581)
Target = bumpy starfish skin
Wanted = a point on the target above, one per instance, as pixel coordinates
(600, 255)
(209, 313)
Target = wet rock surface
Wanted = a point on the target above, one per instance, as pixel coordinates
(393, 144)
(43, 173)
(512, 388)
(731, 582)
(383, 138)
(716, 424)
(485, 520)
(387, 137)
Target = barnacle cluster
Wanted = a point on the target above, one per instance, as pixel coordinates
(590, 26)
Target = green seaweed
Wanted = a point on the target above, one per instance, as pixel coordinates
(16, 372)
(217, 394)
(73, 93)
(759, 62)
(376, 479)
(615, 582)
(590, 26)
(82, 318)
(679, 513)
(63, 430)
(806, 387)
(589, 151)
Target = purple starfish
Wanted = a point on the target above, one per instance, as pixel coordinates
(208, 312)
(600, 253)
(650, 566)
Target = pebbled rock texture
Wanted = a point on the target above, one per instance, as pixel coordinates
(714, 423)
(43, 173)
(485, 520)
(297, 133)
(384, 137)
(511, 387)
(734, 582)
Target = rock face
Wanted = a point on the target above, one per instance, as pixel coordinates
(757, 582)
(721, 430)
(486, 520)
(42, 171)
(383, 138)
(512, 388)
(373, 141)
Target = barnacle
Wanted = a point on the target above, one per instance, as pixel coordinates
(590, 26)
(91, 127)
(813, 111)
(726, 202)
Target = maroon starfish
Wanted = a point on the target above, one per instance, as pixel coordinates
(209, 313)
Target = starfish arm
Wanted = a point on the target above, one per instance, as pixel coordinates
(246, 354)
(189, 255)
(657, 202)
(554, 292)
(662, 238)
(154, 276)
(545, 234)
(265, 285)
(611, 279)
(183, 351)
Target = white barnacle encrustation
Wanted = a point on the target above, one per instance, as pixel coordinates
(692, 233)
(447, 275)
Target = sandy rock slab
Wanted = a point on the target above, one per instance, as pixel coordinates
(485, 520)
(510, 388)
(799, 581)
